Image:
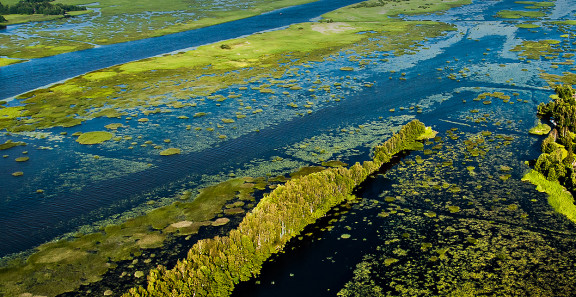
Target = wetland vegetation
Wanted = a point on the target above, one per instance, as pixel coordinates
(199, 171)
(109, 22)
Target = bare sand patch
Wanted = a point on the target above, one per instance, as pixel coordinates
(328, 28)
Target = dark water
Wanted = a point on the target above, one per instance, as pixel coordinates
(31, 219)
(321, 265)
(19, 78)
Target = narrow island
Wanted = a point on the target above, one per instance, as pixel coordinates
(214, 266)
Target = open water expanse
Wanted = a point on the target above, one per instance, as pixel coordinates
(420, 229)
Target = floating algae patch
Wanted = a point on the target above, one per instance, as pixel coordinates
(10, 144)
(334, 163)
(454, 209)
(341, 145)
(540, 129)
(170, 151)
(518, 14)
(89, 168)
(536, 50)
(95, 137)
(490, 227)
(220, 222)
(22, 159)
(114, 126)
(528, 26)
(306, 171)
(458, 267)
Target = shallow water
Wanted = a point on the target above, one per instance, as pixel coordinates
(436, 84)
(324, 262)
(74, 185)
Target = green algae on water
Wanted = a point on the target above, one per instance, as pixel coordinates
(170, 151)
(95, 137)
(22, 159)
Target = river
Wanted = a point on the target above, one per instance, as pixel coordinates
(20, 78)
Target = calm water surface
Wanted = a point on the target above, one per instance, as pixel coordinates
(79, 191)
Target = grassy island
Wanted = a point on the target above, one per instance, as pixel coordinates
(211, 68)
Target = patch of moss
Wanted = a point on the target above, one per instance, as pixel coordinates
(540, 129)
(22, 159)
(94, 137)
(10, 144)
(170, 151)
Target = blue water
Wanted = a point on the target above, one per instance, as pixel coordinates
(19, 78)
(29, 218)
(322, 263)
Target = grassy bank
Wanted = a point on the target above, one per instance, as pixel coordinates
(560, 199)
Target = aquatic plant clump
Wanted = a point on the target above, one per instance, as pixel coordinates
(95, 137)
(170, 151)
(449, 242)
(214, 266)
(10, 144)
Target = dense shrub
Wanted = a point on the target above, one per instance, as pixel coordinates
(38, 7)
(557, 160)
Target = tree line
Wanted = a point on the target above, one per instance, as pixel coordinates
(37, 7)
(556, 162)
(214, 266)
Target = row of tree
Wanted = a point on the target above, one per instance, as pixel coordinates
(38, 7)
(214, 266)
(557, 159)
